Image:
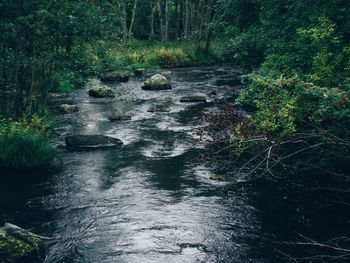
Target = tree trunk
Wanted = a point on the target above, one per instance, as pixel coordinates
(161, 20)
(151, 35)
(209, 27)
(17, 87)
(133, 17)
(200, 18)
(178, 16)
(186, 20)
(167, 18)
(124, 22)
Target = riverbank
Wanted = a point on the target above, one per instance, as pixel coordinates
(100, 57)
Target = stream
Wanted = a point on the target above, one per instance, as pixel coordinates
(150, 201)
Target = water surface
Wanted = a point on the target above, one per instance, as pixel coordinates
(150, 201)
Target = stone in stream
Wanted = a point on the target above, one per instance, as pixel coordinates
(139, 72)
(86, 142)
(156, 82)
(188, 99)
(19, 245)
(68, 108)
(212, 93)
(120, 118)
(101, 92)
(115, 76)
(159, 107)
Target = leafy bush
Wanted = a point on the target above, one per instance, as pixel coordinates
(66, 81)
(292, 118)
(246, 49)
(283, 104)
(24, 144)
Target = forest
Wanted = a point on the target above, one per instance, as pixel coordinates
(255, 91)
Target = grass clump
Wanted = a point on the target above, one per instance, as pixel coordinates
(24, 144)
(171, 57)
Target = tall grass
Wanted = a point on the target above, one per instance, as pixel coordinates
(131, 54)
(24, 144)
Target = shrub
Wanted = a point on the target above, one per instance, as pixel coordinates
(24, 145)
(246, 49)
(293, 118)
(66, 81)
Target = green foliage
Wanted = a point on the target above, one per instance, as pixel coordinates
(283, 104)
(245, 49)
(293, 117)
(24, 144)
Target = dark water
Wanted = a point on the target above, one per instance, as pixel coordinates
(149, 201)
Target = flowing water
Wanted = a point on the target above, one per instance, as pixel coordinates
(150, 201)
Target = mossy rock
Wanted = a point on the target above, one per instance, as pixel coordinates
(156, 82)
(115, 76)
(67, 108)
(101, 92)
(189, 99)
(160, 106)
(219, 178)
(18, 245)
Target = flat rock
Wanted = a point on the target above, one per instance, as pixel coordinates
(212, 93)
(101, 92)
(20, 245)
(86, 142)
(120, 118)
(115, 76)
(159, 107)
(139, 72)
(156, 82)
(68, 108)
(188, 99)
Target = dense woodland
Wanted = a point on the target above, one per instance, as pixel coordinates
(296, 96)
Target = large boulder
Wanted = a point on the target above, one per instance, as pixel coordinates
(19, 245)
(115, 76)
(188, 99)
(68, 108)
(86, 142)
(120, 118)
(157, 82)
(101, 92)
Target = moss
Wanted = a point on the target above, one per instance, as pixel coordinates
(17, 250)
(218, 178)
(14, 248)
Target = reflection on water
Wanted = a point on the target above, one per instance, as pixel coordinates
(149, 201)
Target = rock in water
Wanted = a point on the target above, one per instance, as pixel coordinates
(67, 108)
(159, 107)
(101, 92)
(212, 93)
(115, 77)
(120, 118)
(86, 142)
(156, 82)
(187, 99)
(19, 245)
(139, 72)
